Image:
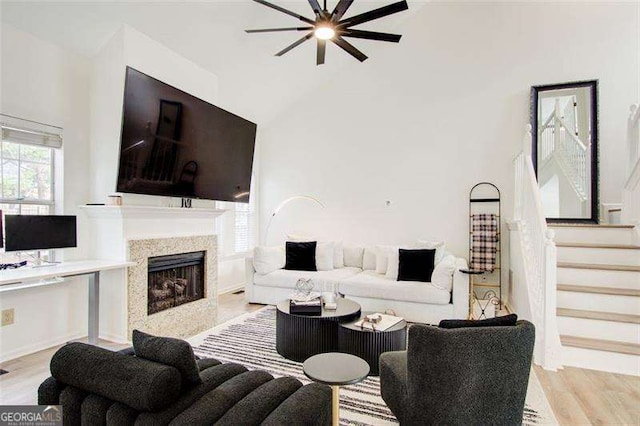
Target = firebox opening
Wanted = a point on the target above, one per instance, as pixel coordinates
(175, 280)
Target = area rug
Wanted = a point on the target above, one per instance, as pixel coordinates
(250, 340)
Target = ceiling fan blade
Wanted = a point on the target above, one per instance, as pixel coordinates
(283, 10)
(374, 14)
(322, 50)
(349, 48)
(340, 10)
(296, 44)
(271, 30)
(316, 7)
(371, 35)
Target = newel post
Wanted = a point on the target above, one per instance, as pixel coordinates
(552, 358)
(633, 137)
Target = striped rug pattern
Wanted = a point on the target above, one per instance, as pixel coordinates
(250, 341)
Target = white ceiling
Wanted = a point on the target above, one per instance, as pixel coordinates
(253, 82)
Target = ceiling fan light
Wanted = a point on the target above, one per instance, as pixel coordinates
(325, 32)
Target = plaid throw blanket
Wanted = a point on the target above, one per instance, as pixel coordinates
(484, 241)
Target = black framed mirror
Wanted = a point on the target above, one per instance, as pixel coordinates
(564, 120)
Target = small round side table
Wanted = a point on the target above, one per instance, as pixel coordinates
(335, 369)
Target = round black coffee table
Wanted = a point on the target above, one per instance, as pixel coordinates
(368, 344)
(336, 369)
(300, 336)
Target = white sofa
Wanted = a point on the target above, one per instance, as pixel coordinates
(415, 301)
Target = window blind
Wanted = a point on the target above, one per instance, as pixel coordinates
(242, 228)
(29, 132)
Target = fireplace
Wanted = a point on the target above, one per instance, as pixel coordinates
(174, 280)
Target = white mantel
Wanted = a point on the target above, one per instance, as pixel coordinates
(112, 228)
(137, 212)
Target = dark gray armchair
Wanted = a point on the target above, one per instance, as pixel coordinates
(459, 376)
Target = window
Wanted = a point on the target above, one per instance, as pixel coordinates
(26, 170)
(243, 240)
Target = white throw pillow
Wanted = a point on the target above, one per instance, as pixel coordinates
(442, 276)
(393, 262)
(268, 259)
(338, 254)
(324, 256)
(382, 259)
(438, 245)
(369, 259)
(353, 256)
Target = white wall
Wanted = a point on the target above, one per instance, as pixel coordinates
(422, 122)
(40, 81)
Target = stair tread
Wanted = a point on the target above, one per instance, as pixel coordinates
(616, 291)
(600, 246)
(601, 345)
(589, 225)
(607, 267)
(597, 315)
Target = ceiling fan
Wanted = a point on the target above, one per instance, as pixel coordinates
(330, 26)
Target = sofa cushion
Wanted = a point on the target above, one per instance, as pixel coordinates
(377, 286)
(442, 276)
(353, 256)
(139, 383)
(284, 278)
(324, 256)
(416, 265)
(268, 259)
(168, 351)
(369, 259)
(503, 321)
(301, 256)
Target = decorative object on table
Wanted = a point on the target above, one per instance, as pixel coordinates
(329, 26)
(377, 321)
(436, 354)
(368, 341)
(485, 254)
(280, 207)
(329, 295)
(304, 286)
(300, 336)
(312, 306)
(336, 369)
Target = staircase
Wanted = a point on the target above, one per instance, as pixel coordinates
(598, 299)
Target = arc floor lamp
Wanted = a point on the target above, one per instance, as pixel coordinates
(280, 207)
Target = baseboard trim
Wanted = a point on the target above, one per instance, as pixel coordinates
(232, 289)
(40, 346)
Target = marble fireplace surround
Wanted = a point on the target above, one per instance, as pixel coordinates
(182, 321)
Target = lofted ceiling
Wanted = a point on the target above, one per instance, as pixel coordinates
(252, 81)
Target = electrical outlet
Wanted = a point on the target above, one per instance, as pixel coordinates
(7, 317)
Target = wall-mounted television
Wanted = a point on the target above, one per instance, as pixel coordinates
(175, 144)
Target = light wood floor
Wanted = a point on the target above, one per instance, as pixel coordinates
(577, 396)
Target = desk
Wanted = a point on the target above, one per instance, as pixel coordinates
(28, 277)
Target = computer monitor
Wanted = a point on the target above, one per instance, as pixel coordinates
(34, 232)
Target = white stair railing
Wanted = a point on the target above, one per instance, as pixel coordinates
(631, 191)
(572, 155)
(539, 259)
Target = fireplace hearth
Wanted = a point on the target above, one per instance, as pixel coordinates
(174, 280)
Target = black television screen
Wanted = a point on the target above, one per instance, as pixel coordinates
(175, 144)
(25, 232)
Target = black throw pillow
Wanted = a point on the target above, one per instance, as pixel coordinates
(507, 320)
(301, 256)
(168, 351)
(416, 265)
